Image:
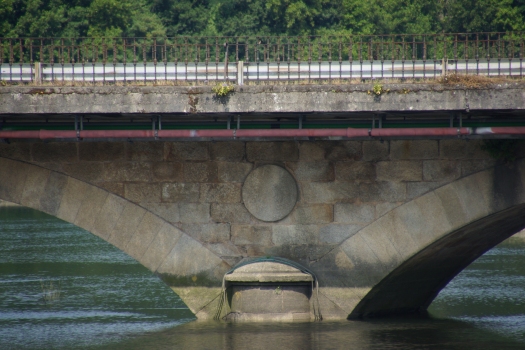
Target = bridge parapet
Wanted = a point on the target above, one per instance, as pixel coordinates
(175, 102)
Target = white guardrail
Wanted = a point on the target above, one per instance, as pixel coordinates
(253, 71)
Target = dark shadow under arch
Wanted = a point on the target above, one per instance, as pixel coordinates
(412, 286)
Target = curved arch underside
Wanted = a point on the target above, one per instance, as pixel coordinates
(413, 286)
(189, 268)
(400, 262)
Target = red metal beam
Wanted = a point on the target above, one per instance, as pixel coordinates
(259, 133)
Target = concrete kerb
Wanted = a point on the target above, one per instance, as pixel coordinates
(297, 98)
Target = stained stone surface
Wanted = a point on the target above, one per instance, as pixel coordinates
(269, 193)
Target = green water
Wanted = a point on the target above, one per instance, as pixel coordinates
(108, 301)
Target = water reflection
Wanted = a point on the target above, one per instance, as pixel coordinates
(390, 334)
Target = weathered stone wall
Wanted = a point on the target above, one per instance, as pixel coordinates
(196, 186)
(365, 210)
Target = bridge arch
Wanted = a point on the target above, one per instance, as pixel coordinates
(400, 262)
(189, 268)
(397, 263)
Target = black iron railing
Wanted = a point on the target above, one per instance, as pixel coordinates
(205, 60)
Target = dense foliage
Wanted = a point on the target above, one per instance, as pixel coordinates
(74, 18)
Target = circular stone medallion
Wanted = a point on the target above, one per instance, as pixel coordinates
(269, 193)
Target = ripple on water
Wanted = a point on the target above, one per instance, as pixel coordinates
(108, 301)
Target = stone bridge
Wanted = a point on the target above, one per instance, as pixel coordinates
(384, 225)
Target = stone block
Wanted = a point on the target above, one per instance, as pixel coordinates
(65, 152)
(395, 226)
(256, 249)
(203, 301)
(90, 208)
(52, 195)
(126, 225)
(414, 149)
(385, 207)
(200, 172)
(86, 171)
(106, 219)
(72, 198)
(355, 171)
(234, 172)
(374, 151)
(142, 192)
(102, 151)
(441, 170)
(316, 214)
(53, 166)
(462, 149)
(180, 192)
(147, 230)
(312, 171)
(221, 193)
(12, 179)
(343, 150)
(34, 187)
(520, 149)
(337, 233)
(167, 211)
(452, 204)
(194, 212)
(127, 171)
(368, 270)
(16, 150)
(311, 151)
(187, 151)
(337, 305)
(329, 192)
(226, 251)
(416, 189)
(272, 151)
(189, 258)
(382, 191)
(295, 234)
(113, 187)
(301, 253)
(164, 242)
(230, 213)
(208, 233)
(232, 151)
(167, 171)
(425, 220)
(477, 194)
(357, 214)
(399, 171)
(145, 151)
(251, 234)
(380, 243)
(469, 167)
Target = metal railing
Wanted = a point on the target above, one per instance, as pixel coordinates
(241, 60)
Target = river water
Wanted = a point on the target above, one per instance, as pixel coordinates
(105, 300)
